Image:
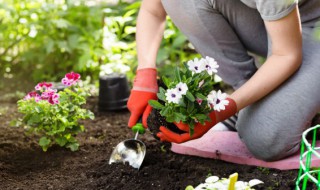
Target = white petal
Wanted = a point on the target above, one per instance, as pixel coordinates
(254, 182)
(225, 181)
(240, 185)
(212, 179)
(217, 185)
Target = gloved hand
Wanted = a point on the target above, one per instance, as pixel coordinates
(167, 135)
(145, 88)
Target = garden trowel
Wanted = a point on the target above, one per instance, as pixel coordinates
(131, 151)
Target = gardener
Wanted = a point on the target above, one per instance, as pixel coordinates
(275, 102)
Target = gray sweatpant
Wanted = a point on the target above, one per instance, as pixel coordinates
(227, 30)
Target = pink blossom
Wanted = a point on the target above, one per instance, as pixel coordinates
(43, 85)
(47, 94)
(34, 95)
(70, 79)
(51, 96)
(54, 99)
(199, 101)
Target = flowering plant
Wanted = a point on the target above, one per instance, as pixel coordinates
(214, 183)
(190, 95)
(54, 115)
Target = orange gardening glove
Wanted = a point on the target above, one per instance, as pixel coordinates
(145, 88)
(167, 135)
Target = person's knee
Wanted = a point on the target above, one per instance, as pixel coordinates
(266, 153)
(270, 149)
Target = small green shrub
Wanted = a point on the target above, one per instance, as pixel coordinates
(54, 116)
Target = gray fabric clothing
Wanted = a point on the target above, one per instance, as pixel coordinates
(272, 9)
(277, 9)
(226, 30)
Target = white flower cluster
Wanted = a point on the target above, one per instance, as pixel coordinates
(174, 95)
(213, 183)
(216, 100)
(199, 65)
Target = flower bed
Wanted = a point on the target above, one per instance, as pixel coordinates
(23, 164)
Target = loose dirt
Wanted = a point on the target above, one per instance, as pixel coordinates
(23, 165)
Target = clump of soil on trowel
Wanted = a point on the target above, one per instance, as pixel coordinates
(155, 119)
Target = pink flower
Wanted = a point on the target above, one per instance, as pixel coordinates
(199, 101)
(47, 94)
(70, 79)
(43, 85)
(54, 99)
(34, 95)
(51, 96)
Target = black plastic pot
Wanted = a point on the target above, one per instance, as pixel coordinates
(114, 92)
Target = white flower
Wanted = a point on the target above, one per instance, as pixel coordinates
(214, 183)
(172, 95)
(196, 65)
(210, 65)
(182, 88)
(217, 100)
(211, 98)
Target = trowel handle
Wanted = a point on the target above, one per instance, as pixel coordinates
(138, 127)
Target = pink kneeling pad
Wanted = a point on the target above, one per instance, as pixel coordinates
(227, 146)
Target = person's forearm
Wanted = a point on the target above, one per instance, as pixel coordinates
(271, 74)
(286, 57)
(150, 28)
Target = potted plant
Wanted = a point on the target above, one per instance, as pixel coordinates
(188, 97)
(54, 116)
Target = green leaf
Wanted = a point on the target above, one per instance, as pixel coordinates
(166, 81)
(63, 120)
(179, 41)
(44, 142)
(190, 96)
(181, 103)
(179, 117)
(155, 104)
(90, 115)
(189, 187)
(190, 107)
(38, 109)
(73, 146)
(34, 119)
(191, 128)
(161, 97)
(201, 96)
(61, 141)
(164, 112)
(177, 74)
(201, 117)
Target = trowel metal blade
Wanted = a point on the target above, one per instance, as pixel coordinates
(129, 151)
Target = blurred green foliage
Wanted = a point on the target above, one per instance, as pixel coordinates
(44, 39)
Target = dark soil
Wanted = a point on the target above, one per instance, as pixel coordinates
(23, 165)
